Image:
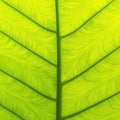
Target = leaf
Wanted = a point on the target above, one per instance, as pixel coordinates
(59, 60)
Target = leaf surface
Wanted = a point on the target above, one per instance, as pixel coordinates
(59, 60)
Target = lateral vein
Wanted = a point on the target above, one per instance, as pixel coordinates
(33, 21)
(64, 36)
(28, 49)
(78, 75)
(90, 107)
(38, 92)
(11, 111)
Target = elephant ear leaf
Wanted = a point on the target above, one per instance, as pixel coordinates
(59, 59)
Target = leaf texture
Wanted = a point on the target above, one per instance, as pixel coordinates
(59, 59)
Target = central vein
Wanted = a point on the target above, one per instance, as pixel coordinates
(59, 85)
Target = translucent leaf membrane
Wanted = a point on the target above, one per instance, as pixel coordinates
(93, 86)
(35, 10)
(27, 64)
(97, 38)
(23, 101)
(109, 110)
(73, 13)
(59, 60)
(6, 115)
(93, 74)
(37, 39)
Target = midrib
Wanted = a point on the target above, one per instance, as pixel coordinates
(59, 84)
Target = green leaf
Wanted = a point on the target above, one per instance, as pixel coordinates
(59, 59)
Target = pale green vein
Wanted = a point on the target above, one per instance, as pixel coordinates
(87, 20)
(59, 85)
(28, 49)
(28, 17)
(38, 92)
(90, 107)
(78, 75)
(12, 112)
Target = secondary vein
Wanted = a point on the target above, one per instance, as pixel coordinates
(78, 75)
(38, 92)
(28, 49)
(14, 113)
(90, 107)
(87, 20)
(28, 17)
